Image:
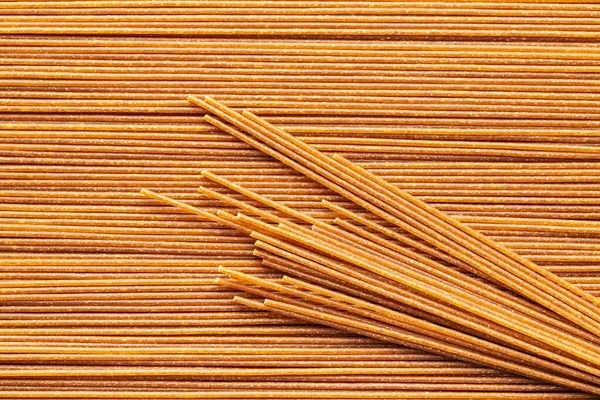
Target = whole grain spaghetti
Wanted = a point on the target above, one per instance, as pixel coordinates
(486, 111)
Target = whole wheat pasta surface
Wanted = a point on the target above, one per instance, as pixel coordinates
(485, 110)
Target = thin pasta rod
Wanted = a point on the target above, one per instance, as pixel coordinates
(103, 307)
(273, 186)
(13, 285)
(173, 353)
(410, 9)
(12, 218)
(508, 200)
(216, 304)
(462, 110)
(123, 217)
(215, 297)
(320, 119)
(372, 71)
(201, 247)
(268, 45)
(443, 80)
(425, 181)
(216, 140)
(281, 394)
(291, 77)
(210, 83)
(533, 221)
(325, 342)
(197, 372)
(425, 175)
(223, 330)
(362, 350)
(219, 148)
(283, 191)
(473, 384)
(511, 134)
(208, 241)
(116, 295)
(293, 119)
(315, 11)
(501, 94)
(256, 351)
(579, 119)
(262, 149)
(319, 24)
(517, 92)
(64, 260)
(234, 361)
(216, 234)
(112, 296)
(327, 60)
(479, 167)
(283, 18)
(517, 227)
(110, 275)
(401, 180)
(295, 4)
(165, 323)
(314, 384)
(81, 272)
(102, 282)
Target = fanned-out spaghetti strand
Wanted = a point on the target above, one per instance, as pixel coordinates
(580, 302)
(397, 317)
(320, 318)
(401, 254)
(223, 214)
(431, 310)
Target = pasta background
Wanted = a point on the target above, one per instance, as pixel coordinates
(485, 110)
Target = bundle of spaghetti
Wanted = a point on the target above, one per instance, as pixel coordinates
(403, 210)
(294, 267)
(422, 279)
